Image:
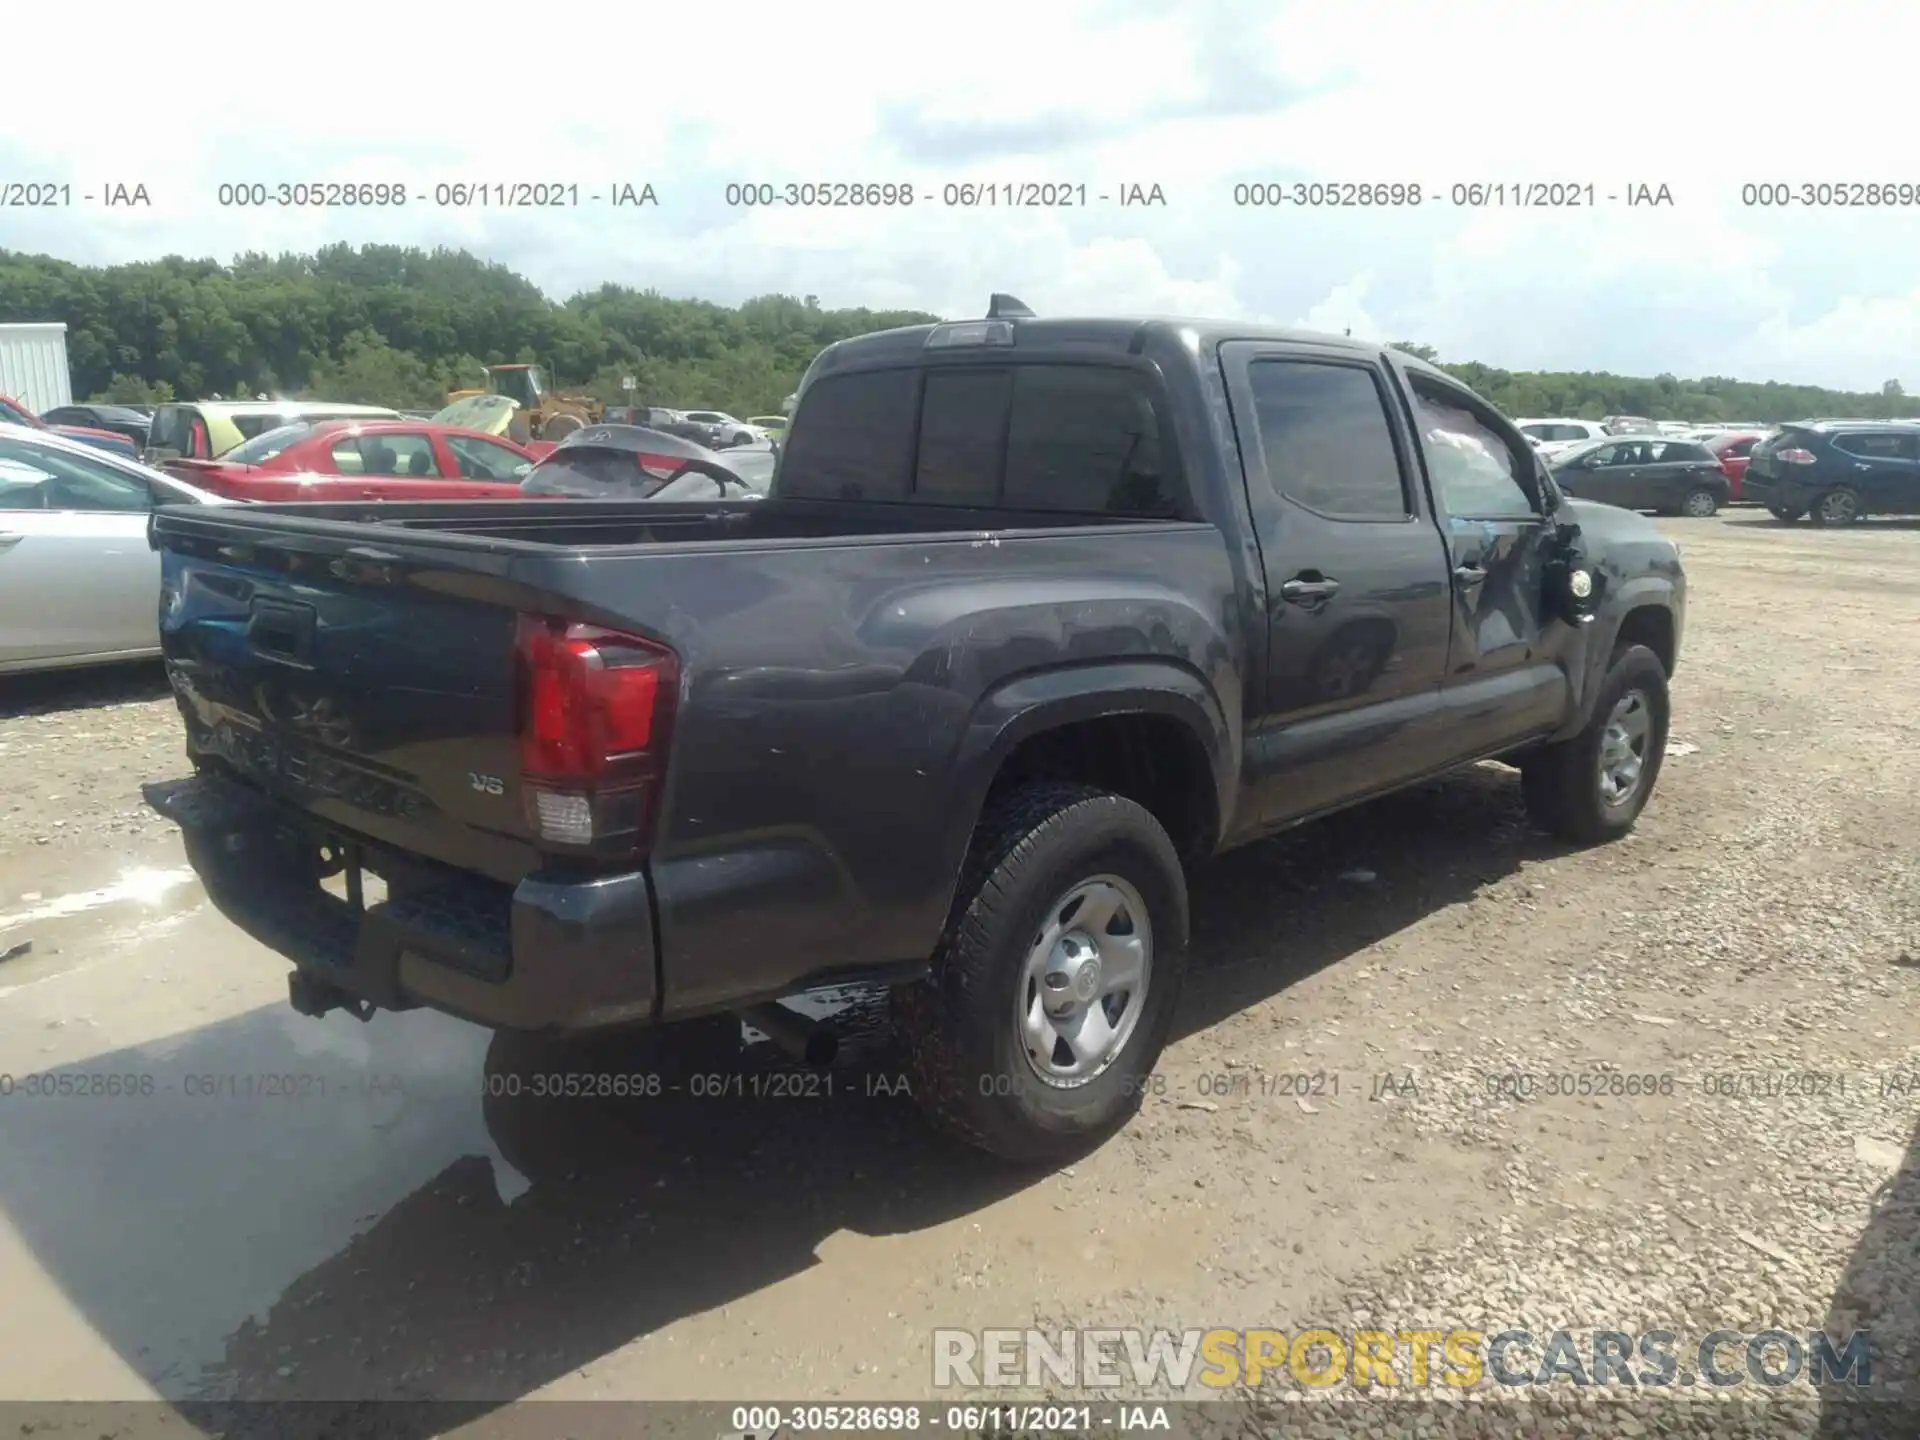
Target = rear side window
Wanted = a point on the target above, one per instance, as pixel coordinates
(1325, 437)
(1673, 452)
(1878, 446)
(400, 455)
(853, 438)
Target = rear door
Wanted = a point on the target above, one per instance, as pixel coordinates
(76, 575)
(399, 465)
(1357, 583)
(1506, 675)
(1674, 467)
(1884, 466)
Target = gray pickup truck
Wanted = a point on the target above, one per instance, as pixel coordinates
(1038, 613)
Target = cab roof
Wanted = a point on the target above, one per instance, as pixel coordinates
(1124, 334)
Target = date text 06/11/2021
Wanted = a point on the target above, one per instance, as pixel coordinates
(443, 195)
(955, 194)
(1460, 194)
(763, 1422)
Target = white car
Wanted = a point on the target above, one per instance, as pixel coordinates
(1552, 436)
(730, 430)
(78, 585)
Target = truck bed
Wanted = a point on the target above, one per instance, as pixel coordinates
(834, 668)
(541, 526)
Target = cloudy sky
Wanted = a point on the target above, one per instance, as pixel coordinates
(1195, 97)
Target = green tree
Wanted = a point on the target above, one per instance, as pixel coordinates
(401, 326)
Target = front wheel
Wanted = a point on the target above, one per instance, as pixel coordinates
(559, 427)
(1700, 504)
(1839, 506)
(1054, 987)
(1593, 787)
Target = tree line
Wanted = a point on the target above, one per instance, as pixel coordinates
(402, 326)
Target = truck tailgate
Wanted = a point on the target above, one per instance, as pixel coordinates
(373, 690)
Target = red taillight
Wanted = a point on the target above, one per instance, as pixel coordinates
(597, 712)
(1795, 456)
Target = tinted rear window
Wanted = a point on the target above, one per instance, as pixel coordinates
(1678, 451)
(1070, 438)
(1085, 438)
(852, 438)
(963, 417)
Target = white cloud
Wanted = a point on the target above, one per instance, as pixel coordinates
(1077, 92)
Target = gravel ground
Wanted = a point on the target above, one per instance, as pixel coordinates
(1745, 964)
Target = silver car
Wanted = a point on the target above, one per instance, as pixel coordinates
(78, 585)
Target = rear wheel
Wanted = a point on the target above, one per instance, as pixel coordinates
(1700, 504)
(1839, 506)
(1785, 514)
(1054, 987)
(1592, 787)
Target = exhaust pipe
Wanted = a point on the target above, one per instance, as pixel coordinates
(807, 1040)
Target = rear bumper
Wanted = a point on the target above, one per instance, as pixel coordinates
(554, 952)
(1788, 491)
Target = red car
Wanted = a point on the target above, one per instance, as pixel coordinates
(14, 412)
(364, 460)
(1734, 449)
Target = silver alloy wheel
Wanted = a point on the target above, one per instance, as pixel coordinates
(1838, 506)
(1623, 748)
(1083, 988)
(1700, 504)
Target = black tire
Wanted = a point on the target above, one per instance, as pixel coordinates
(1561, 783)
(1699, 503)
(964, 1061)
(559, 427)
(1839, 506)
(1785, 514)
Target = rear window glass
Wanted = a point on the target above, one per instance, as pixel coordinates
(1069, 438)
(852, 438)
(264, 446)
(1085, 438)
(580, 470)
(253, 425)
(963, 416)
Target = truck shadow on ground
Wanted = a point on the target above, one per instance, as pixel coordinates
(1877, 1294)
(632, 1213)
(49, 692)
